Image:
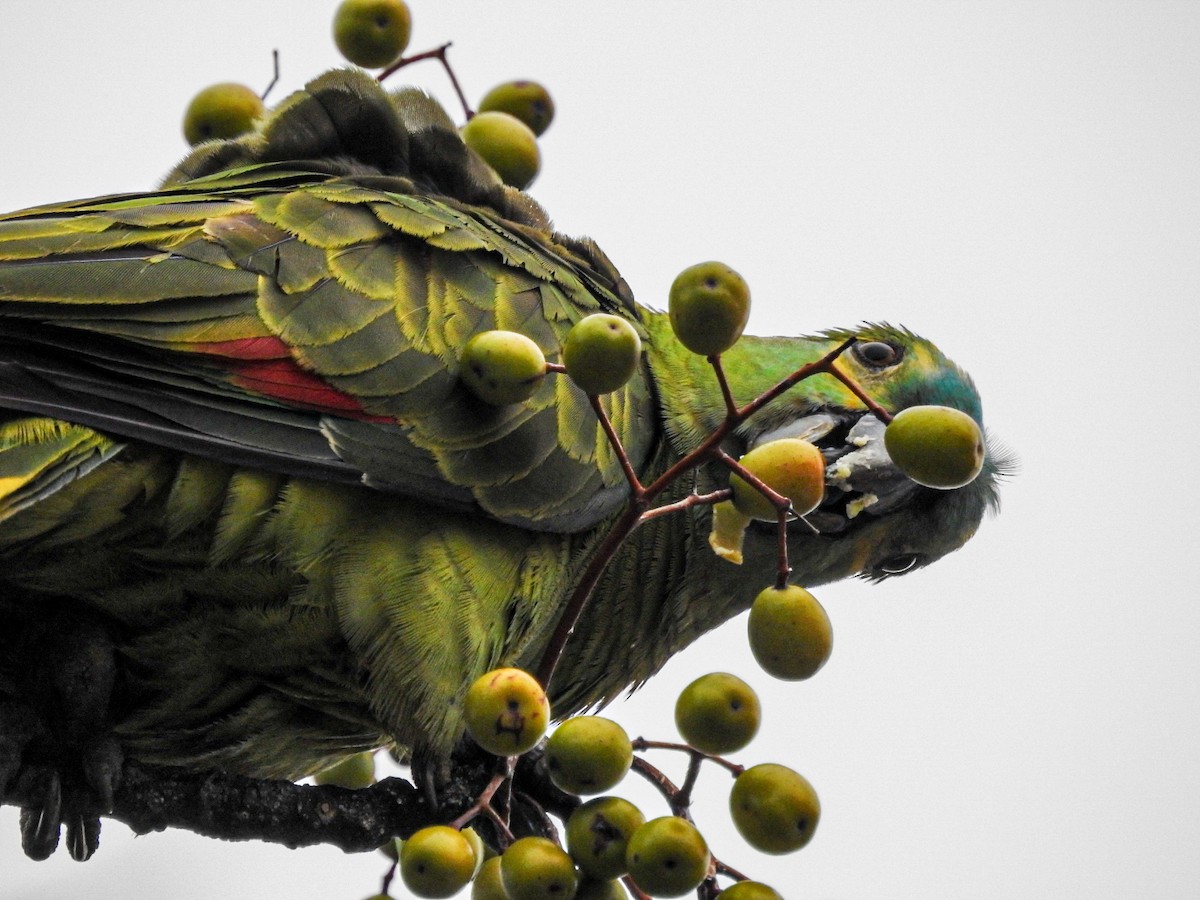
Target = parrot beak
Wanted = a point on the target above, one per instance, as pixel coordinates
(860, 477)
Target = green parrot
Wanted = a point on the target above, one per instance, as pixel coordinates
(250, 519)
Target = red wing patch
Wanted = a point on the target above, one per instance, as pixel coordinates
(282, 379)
(264, 366)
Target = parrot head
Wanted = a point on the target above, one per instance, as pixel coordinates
(874, 522)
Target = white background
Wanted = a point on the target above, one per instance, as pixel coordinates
(1020, 181)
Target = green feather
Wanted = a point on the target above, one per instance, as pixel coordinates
(231, 424)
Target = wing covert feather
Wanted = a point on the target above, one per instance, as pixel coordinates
(281, 307)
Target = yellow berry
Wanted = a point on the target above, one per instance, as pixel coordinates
(506, 144)
(536, 868)
(708, 305)
(355, 771)
(527, 100)
(937, 446)
(789, 466)
(372, 33)
(588, 754)
(718, 713)
(667, 857)
(506, 711)
(598, 834)
(221, 111)
(437, 861)
(488, 884)
(749, 890)
(590, 889)
(501, 367)
(774, 808)
(601, 353)
(790, 633)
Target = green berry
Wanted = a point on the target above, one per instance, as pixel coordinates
(789, 466)
(601, 353)
(221, 111)
(535, 868)
(477, 846)
(355, 771)
(600, 890)
(506, 711)
(598, 834)
(667, 857)
(749, 890)
(937, 446)
(526, 100)
(790, 633)
(392, 849)
(488, 884)
(775, 809)
(501, 367)
(718, 713)
(708, 304)
(506, 144)
(437, 861)
(588, 755)
(372, 33)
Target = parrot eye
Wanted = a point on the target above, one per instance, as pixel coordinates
(877, 354)
(898, 565)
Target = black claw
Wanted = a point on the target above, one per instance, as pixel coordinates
(40, 827)
(37, 845)
(425, 777)
(83, 837)
(56, 695)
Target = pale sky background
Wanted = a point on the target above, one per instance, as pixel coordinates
(1019, 181)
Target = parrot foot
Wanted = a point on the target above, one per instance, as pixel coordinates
(57, 752)
(41, 826)
(427, 773)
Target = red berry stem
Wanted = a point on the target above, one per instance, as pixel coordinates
(679, 800)
(776, 499)
(695, 758)
(824, 364)
(635, 483)
(483, 805)
(663, 784)
(783, 568)
(274, 78)
(689, 500)
(726, 392)
(639, 508)
(438, 53)
(643, 744)
(880, 413)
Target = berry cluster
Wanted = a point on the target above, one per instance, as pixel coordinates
(607, 838)
(507, 712)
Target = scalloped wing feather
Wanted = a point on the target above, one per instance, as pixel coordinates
(306, 317)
